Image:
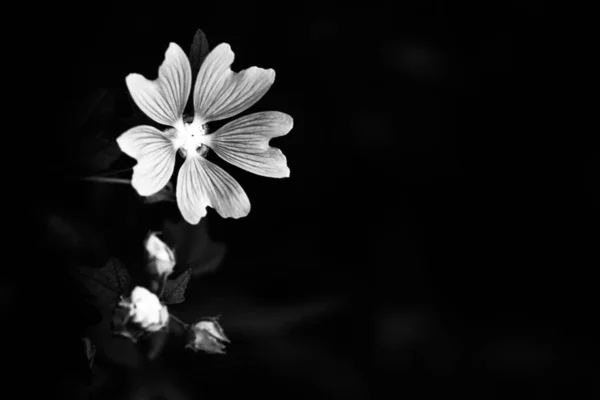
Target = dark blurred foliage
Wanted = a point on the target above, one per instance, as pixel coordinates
(434, 237)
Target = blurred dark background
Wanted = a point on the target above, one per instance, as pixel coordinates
(427, 242)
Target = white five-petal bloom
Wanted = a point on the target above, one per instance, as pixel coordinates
(219, 93)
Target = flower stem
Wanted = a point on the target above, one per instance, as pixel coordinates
(177, 320)
(162, 285)
(114, 172)
(106, 179)
(179, 328)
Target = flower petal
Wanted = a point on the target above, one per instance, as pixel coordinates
(245, 143)
(201, 183)
(221, 93)
(164, 99)
(155, 157)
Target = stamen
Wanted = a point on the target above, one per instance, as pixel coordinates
(203, 150)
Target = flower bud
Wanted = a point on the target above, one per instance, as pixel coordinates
(141, 312)
(207, 335)
(161, 258)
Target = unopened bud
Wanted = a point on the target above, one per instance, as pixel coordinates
(207, 335)
(161, 258)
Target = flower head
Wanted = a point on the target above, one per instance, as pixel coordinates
(161, 258)
(207, 335)
(140, 313)
(219, 93)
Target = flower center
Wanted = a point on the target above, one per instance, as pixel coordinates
(189, 139)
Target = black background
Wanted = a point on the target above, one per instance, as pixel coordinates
(433, 238)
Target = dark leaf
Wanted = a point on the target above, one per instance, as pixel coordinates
(193, 246)
(96, 105)
(137, 117)
(198, 51)
(210, 260)
(166, 194)
(71, 235)
(97, 153)
(106, 284)
(175, 288)
(155, 343)
(75, 356)
(84, 307)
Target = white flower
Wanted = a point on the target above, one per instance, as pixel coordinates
(161, 258)
(207, 335)
(219, 93)
(145, 310)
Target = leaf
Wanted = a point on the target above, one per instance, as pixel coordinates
(193, 246)
(155, 343)
(69, 233)
(97, 153)
(175, 288)
(95, 104)
(166, 194)
(198, 51)
(211, 258)
(106, 284)
(137, 116)
(84, 307)
(94, 149)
